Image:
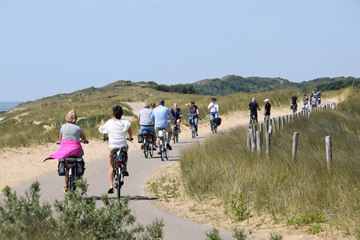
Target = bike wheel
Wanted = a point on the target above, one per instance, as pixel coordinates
(167, 154)
(118, 189)
(146, 153)
(174, 138)
(177, 139)
(215, 129)
(70, 182)
(152, 150)
(193, 134)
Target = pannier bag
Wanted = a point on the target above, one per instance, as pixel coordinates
(61, 167)
(80, 166)
(218, 121)
(121, 156)
(140, 138)
(150, 138)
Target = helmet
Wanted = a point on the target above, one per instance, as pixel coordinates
(192, 102)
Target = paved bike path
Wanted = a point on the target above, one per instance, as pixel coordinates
(140, 169)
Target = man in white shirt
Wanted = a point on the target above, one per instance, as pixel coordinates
(214, 110)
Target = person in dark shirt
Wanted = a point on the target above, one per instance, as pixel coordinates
(267, 109)
(294, 102)
(253, 107)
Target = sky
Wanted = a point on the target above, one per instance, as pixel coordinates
(49, 47)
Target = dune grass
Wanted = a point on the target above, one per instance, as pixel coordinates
(223, 167)
(39, 122)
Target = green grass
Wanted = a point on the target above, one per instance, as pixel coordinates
(223, 167)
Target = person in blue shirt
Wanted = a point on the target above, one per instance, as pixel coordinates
(214, 111)
(319, 97)
(160, 116)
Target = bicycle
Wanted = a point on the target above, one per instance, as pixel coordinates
(192, 125)
(294, 108)
(147, 140)
(73, 167)
(252, 119)
(214, 124)
(176, 132)
(164, 151)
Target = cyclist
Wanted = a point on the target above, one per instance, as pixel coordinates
(145, 123)
(194, 112)
(160, 115)
(314, 100)
(115, 128)
(176, 112)
(214, 110)
(253, 107)
(152, 106)
(294, 101)
(319, 97)
(267, 109)
(69, 140)
(305, 101)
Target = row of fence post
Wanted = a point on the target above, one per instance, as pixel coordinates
(255, 138)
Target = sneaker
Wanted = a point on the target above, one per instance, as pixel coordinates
(197, 134)
(169, 147)
(111, 191)
(126, 173)
(154, 147)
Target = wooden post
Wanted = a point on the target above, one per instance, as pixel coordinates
(258, 141)
(327, 106)
(290, 118)
(338, 107)
(254, 129)
(253, 143)
(266, 125)
(268, 144)
(261, 134)
(287, 118)
(278, 123)
(270, 129)
(299, 114)
(309, 113)
(295, 142)
(273, 125)
(328, 151)
(282, 121)
(334, 106)
(249, 133)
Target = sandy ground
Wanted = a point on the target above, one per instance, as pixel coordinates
(18, 165)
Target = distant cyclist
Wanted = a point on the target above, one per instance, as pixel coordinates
(214, 110)
(115, 128)
(294, 101)
(194, 114)
(305, 102)
(145, 122)
(314, 100)
(267, 109)
(176, 112)
(253, 107)
(319, 97)
(160, 116)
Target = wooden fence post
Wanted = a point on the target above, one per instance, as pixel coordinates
(274, 125)
(253, 140)
(270, 129)
(328, 151)
(278, 123)
(261, 134)
(249, 133)
(282, 121)
(338, 107)
(254, 129)
(295, 142)
(268, 143)
(258, 141)
(287, 118)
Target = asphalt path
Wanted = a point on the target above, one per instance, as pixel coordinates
(141, 206)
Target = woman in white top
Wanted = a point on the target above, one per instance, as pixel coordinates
(116, 129)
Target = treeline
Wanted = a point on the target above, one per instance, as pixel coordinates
(336, 85)
(180, 88)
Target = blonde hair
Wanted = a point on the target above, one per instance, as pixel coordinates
(71, 116)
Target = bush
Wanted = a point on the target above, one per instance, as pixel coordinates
(77, 217)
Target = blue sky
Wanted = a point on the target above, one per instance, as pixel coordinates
(60, 46)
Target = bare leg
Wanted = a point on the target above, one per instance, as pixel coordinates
(111, 171)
